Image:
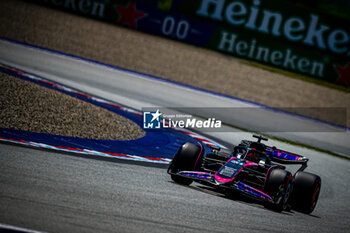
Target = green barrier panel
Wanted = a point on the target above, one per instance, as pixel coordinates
(278, 33)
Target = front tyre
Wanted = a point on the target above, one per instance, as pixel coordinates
(188, 158)
(306, 190)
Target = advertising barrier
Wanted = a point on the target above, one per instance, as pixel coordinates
(272, 32)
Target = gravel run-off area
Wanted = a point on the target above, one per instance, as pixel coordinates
(30, 107)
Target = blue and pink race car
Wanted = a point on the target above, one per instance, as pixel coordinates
(253, 169)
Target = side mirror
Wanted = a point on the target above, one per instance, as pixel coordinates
(215, 148)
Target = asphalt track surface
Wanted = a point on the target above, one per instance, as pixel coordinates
(54, 192)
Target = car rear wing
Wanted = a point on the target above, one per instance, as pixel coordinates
(285, 157)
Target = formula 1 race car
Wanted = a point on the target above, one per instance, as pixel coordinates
(253, 169)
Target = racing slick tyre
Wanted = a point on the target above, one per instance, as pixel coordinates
(278, 185)
(306, 190)
(188, 158)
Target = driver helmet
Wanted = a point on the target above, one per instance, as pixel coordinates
(252, 156)
(257, 146)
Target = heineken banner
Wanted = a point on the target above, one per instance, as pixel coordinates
(274, 32)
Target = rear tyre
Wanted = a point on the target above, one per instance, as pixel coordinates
(278, 186)
(188, 158)
(306, 190)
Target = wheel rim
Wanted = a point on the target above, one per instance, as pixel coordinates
(286, 193)
(315, 196)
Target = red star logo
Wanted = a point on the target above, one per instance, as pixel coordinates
(344, 73)
(129, 15)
